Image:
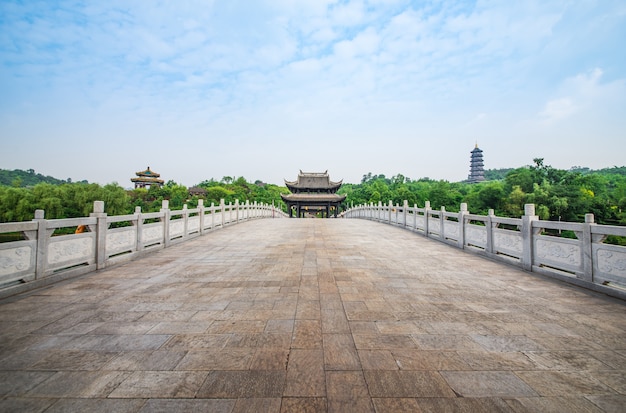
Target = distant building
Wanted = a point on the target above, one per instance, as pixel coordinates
(197, 191)
(147, 178)
(477, 171)
(311, 193)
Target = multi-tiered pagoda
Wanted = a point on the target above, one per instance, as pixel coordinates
(147, 178)
(477, 171)
(313, 193)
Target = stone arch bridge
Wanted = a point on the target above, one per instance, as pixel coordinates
(289, 315)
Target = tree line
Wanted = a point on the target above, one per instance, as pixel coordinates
(565, 195)
(62, 199)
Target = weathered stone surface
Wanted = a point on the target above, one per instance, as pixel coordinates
(312, 316)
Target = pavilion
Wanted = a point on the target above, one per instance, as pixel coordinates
(313, 193)
(147, 178)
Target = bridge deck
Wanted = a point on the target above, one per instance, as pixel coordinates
(312, 315)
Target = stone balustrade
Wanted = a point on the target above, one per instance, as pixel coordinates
(51, 250)
(528, 242)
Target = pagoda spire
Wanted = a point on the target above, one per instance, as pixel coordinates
(477, 172)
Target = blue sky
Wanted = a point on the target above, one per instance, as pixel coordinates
(261, 89)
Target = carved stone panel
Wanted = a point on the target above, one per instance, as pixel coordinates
(121, 240)
(507, 242)
(72, 249)
(419, 221)
(16, 260)
(476, 235)
(555, 251)
(451, 229)
(434, 225)
(193, 224)
(152, 233)
(177, 228)
(613, 262)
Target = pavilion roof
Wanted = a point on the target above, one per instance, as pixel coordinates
(148, 172)
(315, 197)
(313, 181)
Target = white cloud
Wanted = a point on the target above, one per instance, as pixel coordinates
(558, 109)
(585, 92)
(216, 74)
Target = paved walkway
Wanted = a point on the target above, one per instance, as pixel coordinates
(312, 316)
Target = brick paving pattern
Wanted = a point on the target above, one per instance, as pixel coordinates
(295, 315)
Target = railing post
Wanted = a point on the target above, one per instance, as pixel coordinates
(43, 235)
(389, 210)
(236, 211)
(489, 228)
(201, 215)
(165, 210)
(405, 207)
(212, 216)
(527, 236)
(426, 218)
(442, 220)
(139, 229)
(185, 221)
(461, 219)
(223, 213)
(101, 233)
(587, 248)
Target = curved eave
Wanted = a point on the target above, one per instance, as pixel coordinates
(145, 179)
(304, 198)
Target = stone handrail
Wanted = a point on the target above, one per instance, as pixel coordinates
(101, 240)
(585, 260)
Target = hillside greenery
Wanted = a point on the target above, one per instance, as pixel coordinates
(565, 195)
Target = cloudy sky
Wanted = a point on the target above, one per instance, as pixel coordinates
(98, 90)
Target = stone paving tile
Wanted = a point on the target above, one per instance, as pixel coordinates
(97, 405)
(487, 384)
(21, 405)
(259, 405)
(304, 405)
(216, 359)
(377, 360)
(312, 316)
(307, 334)
(429, 360)
(74, 360)
(145, 360)
(387, 383)
(555, 405)
(159, 384)
(17, 383)
(188, 406)
(305, 374)
(396, 405)
(564, 383)
(243, 384)
(340, 352)
(467, 405)
(613, 403)
(87, 384)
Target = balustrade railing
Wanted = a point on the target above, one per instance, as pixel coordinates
(52, 250)
(528, 242)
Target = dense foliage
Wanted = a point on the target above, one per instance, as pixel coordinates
(565, 195)
(70, 200)
(19, 178)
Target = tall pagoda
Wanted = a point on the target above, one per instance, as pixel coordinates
(477, 171)
(311, 193)
(147, 178)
